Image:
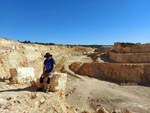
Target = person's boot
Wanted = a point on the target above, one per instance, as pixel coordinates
(41, 82)
(47, 88)
(48, 84)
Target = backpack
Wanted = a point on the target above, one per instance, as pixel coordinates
(52, 62)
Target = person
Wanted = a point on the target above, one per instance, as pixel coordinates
(48, 71)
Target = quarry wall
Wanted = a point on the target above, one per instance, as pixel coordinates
(104, 49)
(138, 73)
(129, 57)
(14, 54)
(132, 48)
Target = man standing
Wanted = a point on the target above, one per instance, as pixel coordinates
(48, 71)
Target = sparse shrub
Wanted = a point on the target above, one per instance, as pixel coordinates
(124, 44)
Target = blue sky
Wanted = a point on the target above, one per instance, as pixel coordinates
(76, 21)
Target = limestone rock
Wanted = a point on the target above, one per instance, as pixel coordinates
(115, 71)
(132, 48)
(57, 83)
(102, 110)
(104, 49)
(22, 75)
(129, 57)
(15, 54)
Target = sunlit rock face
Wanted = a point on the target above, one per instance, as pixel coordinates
(130, 53)
(14, 54)
(58, 82)
(138, 73)
(22, 75)
(143, 48)
(129, 57)
(129, 63)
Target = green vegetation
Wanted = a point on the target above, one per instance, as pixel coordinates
(124, 44)
(27, 42)
(92, 46)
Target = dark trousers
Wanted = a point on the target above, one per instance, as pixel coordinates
(44, 76)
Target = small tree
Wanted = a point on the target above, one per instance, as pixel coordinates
(25, 41)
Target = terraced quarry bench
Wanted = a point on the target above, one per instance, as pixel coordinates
(124, 64)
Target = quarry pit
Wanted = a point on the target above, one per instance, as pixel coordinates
(92, 79)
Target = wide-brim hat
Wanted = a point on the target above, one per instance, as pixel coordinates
(47, 54)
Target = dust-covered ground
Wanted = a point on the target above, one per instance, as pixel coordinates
(86, 93)
(89, 94)
(25, 99)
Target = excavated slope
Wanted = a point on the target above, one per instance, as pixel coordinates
(15, 54)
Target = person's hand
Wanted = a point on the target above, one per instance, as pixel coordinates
(50, 73)
(42, 74)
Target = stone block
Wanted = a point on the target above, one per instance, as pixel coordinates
(22, 75)
(57, 83)
(2, 72)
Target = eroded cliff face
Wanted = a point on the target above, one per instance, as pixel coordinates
(14, 54)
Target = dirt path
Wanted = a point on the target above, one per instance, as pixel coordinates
(72, 59)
